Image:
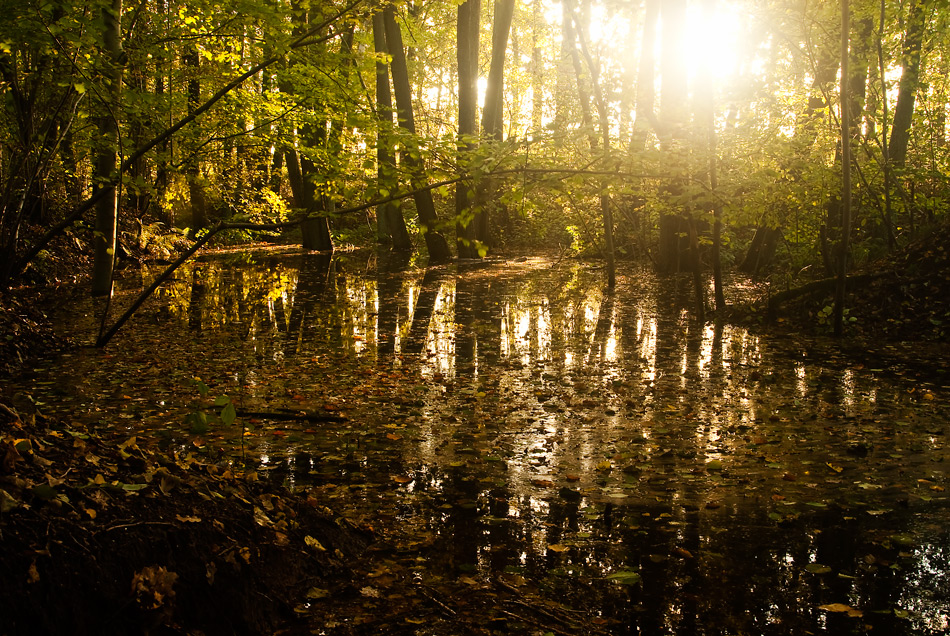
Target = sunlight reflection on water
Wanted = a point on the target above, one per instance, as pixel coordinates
(526, 408)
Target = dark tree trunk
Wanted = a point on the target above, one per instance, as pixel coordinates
(425, 207)
(389, 220)
(761, 250)
(467, 57)
(909, 82)
(196, 192)
(107, 209)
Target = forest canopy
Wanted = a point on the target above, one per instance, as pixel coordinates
(695, 133)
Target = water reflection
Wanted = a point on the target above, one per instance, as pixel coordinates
(546, 431)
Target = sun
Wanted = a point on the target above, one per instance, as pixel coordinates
(714, 40)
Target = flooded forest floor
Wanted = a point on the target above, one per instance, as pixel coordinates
(283, 442)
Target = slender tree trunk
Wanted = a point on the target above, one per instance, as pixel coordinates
(571, 30)
(467, 57)
(605, 205)
(492, 116)
(645, 118)
(195, 188)
(106, 163)
(537, 71)
(389, 220)
(845, 172)
(673, 116)
(425, 207)
(707, 107)
(885, 117)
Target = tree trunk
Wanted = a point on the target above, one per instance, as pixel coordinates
(761, 249)
(537, 72)
(107, 208)
(845, 101)
(605, 204)
(673, 116)
(909, 82)
(425, 207)
(390, 225)
(645, 118)
(571, 29)
(199, 218)
(492, 119)
(467, 57)
(707, 108)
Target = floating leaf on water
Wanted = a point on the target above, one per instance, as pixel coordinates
(558, 547)
(818, 568)
(625, 577)
(903, 540)
(841, 608)
(714, 465)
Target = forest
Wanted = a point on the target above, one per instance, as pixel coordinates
(450, 317)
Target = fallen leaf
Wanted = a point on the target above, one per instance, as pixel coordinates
(625, 577)
(313, 543)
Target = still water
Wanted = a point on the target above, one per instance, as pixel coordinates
(510, 420)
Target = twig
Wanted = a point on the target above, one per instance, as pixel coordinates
(445, 608)
(302, 416)
(138, 523)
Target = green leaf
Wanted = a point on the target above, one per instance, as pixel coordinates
(44, 492)
(625, 577)
(817, 568)
(222, 400)
(197, 422)
(228, 414)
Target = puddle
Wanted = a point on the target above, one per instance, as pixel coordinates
(510, 420)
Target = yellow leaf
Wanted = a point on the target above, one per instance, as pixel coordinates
(836, 607)
(313, 543)
(557, 547)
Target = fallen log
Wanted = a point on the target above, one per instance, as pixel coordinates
(824, 285)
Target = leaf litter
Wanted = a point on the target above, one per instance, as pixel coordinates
(554, 456)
